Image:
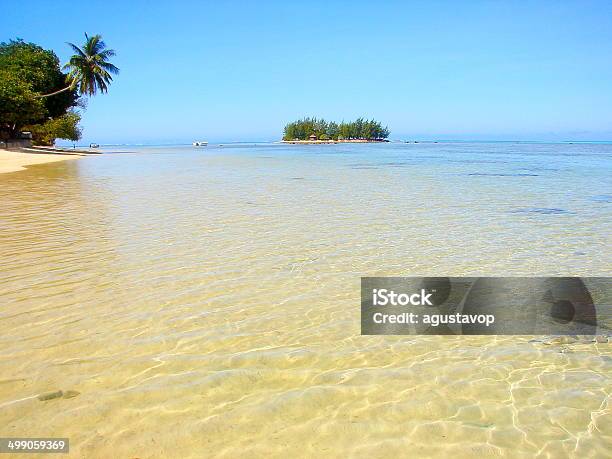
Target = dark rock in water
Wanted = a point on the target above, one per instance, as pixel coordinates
(482, 174)
(58, 394)
(602, 198)
(50, 395)
(542, 210)
(561, 340)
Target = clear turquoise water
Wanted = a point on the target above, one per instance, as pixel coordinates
(207, 299)
(544, 207)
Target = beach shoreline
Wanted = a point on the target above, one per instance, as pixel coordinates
(14, 160)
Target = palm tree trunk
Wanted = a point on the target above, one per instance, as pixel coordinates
(53, 93)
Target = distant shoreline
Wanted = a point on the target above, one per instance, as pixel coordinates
(333, 141)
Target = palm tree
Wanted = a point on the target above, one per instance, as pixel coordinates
(89, 69)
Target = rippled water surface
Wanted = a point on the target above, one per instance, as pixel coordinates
(205, 302)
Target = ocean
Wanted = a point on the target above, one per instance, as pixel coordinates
(206, 301)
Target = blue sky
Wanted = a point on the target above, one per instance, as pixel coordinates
(226, 70)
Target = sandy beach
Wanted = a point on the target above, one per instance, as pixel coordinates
(13, 161)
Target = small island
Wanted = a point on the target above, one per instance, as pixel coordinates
(314, 130)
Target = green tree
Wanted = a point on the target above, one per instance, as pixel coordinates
(18, 104)
(27, 70)
(89, 70)
(63, 127)
(359, 129)
(344, 131)
(332, 130)
(29, 75)
(40, 68)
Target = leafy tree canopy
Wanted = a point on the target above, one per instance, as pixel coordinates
(18, 104)
(41, 69)
(26, 71)
(90, 68)
(359, 129)
(62, 127)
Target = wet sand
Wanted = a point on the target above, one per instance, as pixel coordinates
(13, 161)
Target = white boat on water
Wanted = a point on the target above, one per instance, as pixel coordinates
(200, 143)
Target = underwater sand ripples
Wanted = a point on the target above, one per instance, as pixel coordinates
(190, 319)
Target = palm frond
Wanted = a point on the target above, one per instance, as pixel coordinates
(89, 69)
(76, 49)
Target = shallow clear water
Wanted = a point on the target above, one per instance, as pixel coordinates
(206, 301)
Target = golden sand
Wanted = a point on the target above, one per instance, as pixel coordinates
(13, 161)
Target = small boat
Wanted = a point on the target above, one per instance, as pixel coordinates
(94, 145)
(200, 143)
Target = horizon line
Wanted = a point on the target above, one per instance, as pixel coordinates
(417, 140)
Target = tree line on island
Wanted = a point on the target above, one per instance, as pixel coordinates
(319, 129)
(38, 97)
